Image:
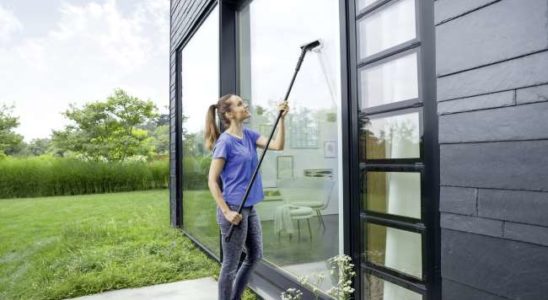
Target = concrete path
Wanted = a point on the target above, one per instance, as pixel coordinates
(197, 289)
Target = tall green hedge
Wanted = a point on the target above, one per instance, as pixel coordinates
(49, 176)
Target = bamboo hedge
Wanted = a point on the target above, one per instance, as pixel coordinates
(51, 176)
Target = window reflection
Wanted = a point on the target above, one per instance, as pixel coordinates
(300, 212)
(386, 28)
(378, 289)
(396, 193)
(199, 75)
(391, 137)
(393, 81)
(364, 3)
(394, 248)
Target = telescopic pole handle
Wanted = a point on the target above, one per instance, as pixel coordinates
(247, 190)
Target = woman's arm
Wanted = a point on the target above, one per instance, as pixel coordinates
(215, 169)
(279, 141)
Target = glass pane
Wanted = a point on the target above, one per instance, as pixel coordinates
(361, 4)
(379, 289)
(396, 193)
(387, 28)
(302, 181)
(394, 248)
(200, 82)
(391, 137)
(393, 81)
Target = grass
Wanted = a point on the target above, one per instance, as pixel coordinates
(69, 246)
(199, 215)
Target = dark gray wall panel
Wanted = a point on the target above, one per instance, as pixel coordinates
(517, 206)
(477, 102)
(532, 94)
(507, 268)
(458, 200)
(455, 291)
(526, 233)
(492, 66)
(481, 38)
(516, 73)
(504, 165)
(523, 122)
(472, 224)
(448, 9)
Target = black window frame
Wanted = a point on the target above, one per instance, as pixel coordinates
(427, 164)
(352, 219)
(209, 8)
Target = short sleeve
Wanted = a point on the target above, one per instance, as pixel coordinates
(221, 149)
(253, 135)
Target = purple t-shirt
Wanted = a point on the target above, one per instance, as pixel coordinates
(240, 162)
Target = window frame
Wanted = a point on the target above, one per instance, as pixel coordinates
(428, 163)
(348, 15)
(179, 113)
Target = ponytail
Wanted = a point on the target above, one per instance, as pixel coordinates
(212, 132)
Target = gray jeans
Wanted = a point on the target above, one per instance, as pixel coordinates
(246, 236)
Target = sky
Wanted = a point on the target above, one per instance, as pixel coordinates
(57, 52)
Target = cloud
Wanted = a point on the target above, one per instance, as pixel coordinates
(124, 41)
(9, 25)
(90, 50)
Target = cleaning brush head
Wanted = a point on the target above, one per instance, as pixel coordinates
(311, 45)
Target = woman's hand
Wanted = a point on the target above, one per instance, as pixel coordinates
(233, 217)
(283, 107)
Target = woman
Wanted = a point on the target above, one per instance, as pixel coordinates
(234, 161)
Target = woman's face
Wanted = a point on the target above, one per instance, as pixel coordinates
(239, 110)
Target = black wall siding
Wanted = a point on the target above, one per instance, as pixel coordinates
(492, 68)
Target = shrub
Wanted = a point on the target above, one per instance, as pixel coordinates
(50, 176)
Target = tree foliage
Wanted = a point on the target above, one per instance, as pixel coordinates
(9, 140)
(111, 130)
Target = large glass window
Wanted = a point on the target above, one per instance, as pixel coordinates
(302, 182)
(200, 88)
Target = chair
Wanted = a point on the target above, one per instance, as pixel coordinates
(284, 216)
(312, 192)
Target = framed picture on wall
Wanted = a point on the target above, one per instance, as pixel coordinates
(329, 149)
(284, 166)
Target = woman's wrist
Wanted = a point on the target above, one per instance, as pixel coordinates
(224, 209)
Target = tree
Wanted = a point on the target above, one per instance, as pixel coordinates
(10, 141)
(39, 146)
(108, 130)
(160, 140)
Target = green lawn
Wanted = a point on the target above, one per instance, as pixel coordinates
(62, 247)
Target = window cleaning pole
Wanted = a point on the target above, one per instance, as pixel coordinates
(304, 48)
